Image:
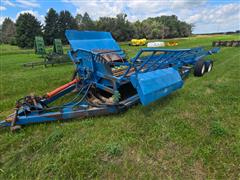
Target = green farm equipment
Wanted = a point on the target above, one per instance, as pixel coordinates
(39, 46)
(56, 56)
(57, 46)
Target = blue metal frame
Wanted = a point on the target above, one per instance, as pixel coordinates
(152, 76)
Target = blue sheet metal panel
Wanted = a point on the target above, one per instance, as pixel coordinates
(156, 84)
(92, 40)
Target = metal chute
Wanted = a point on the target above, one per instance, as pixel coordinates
(93, 41)
(156, 84)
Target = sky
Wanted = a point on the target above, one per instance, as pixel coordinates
(206, 15)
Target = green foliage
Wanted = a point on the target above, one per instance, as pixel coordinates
(165, 27)
(138, 30)
(78, 19)
(116, 96)
(27, 27)
(8, 32)
(114, 149)
(66, 21)
(153, 29)
(217, 129)
(55, 136)
(120, 27)
(106, 24)
(13, 41)
(1, 35)
(51, 26)
(86, 23)
(124, 29)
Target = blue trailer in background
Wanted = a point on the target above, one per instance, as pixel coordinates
(106, 82)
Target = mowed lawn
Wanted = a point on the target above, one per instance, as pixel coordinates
(193, 133)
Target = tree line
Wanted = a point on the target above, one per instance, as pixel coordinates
(27, 26)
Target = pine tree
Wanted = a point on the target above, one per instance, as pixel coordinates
(27, 27)
(66, 21)
(87, 22)
(51, 26)
(8, 32)
(78, 19)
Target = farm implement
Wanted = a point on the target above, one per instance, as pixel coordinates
(226, 43)
(55, 57)
(172, 43)
(161, 44)
(138, 42)
(105, 82)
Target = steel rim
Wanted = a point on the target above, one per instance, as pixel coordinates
(203, 69)
(210, 67)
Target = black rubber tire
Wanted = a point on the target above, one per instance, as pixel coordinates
(199, 68)
(208, 66)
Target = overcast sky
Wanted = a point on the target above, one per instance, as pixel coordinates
(206, 15)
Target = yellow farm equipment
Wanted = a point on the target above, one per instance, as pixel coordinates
(172, 43)
(138, 42)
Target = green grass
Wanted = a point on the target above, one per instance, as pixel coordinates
(192, 134)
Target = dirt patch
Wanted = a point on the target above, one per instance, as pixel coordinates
(188, 115)
(209, 91)
(207, 35)
(198, 170)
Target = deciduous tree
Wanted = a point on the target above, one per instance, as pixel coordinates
(8, 32)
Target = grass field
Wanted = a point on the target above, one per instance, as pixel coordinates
(193, 133)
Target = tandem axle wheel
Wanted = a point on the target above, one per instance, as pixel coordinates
(202, 67)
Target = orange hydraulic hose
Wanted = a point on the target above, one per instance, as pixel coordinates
(54, 92)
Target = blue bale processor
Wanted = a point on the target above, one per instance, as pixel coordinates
(106, 82)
